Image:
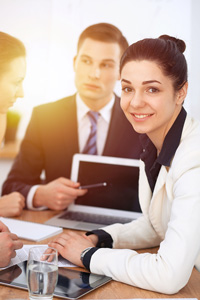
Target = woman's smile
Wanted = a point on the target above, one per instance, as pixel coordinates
(141, 117)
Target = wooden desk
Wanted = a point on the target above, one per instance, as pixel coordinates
(113, 289)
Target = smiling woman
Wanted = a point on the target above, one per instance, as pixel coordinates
(146, 96)
(154, 86)
(158, 84)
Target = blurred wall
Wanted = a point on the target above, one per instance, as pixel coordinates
(50, 30)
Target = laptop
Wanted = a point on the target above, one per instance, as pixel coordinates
(112, 195)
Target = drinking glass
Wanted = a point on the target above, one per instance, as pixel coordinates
(42, 272)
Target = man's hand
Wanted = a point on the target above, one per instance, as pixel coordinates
(9, 242)
(70, 245)
(11, 205)
(58, 194)
(3, 227)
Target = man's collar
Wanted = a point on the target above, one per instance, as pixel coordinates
(83, 109)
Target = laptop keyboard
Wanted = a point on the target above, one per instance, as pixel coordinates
(93, 218)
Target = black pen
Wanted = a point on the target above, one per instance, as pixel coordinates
(91, 186)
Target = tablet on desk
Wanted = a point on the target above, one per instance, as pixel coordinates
(71, 284)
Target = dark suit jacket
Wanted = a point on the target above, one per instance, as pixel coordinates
(51, 140)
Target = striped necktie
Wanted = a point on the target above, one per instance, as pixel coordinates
(91, 144)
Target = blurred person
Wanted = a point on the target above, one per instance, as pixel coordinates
(12, 73)
(60, 129)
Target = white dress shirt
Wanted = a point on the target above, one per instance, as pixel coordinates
(84, 126)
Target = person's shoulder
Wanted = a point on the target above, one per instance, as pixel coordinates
(191, 134)
(187, 155)
(56, 105)
(117, 102)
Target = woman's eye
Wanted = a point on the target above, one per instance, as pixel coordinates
(127, 89)
(153, 90)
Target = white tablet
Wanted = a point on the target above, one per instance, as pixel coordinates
(112, 193)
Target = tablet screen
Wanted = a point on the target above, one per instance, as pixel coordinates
(121, 191)
(71, 284)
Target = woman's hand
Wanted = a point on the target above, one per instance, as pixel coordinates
(70, 245)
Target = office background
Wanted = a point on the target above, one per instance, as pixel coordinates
(50, 30)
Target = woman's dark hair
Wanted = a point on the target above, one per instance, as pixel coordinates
(10, 48)
(103, 32)
(166, 51)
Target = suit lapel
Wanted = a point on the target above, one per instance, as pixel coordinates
(114, 132)
(70, 129)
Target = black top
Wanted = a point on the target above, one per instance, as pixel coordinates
(170, 144)
(152, 169)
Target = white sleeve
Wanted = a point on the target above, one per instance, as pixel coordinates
(137, 234)
(29, 200)
(170, 268)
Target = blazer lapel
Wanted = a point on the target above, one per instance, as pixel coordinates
(145, 194)
(70, 128)
(156, 201)
(160, 181)
(152, 204)
(114, 132)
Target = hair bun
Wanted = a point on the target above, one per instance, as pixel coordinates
(179, 43)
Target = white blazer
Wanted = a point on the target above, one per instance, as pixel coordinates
(171, 220)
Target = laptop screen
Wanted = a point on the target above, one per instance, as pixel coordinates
(121, 191)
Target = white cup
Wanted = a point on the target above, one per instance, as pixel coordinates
(42, 272)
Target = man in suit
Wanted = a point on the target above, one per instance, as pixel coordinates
(60, 129)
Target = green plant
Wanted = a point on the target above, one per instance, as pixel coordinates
(13, 118)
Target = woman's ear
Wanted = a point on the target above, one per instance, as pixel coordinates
(182, 93)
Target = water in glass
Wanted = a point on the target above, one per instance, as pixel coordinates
(42, 279)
